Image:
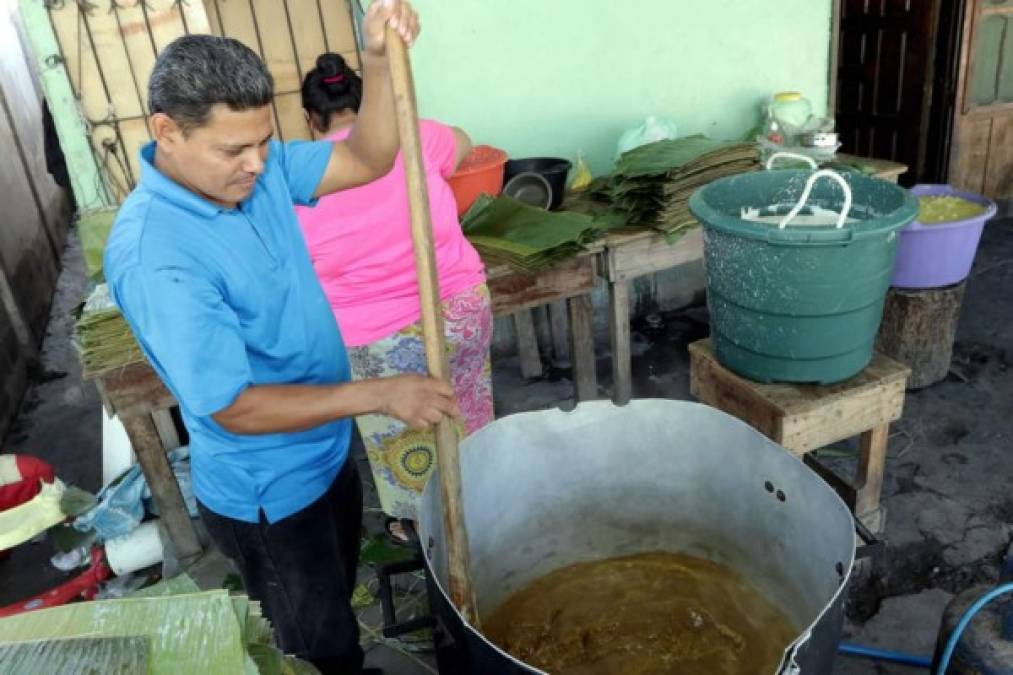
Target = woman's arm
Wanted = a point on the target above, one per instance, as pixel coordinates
(463, 145)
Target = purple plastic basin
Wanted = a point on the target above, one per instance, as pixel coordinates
(930, 256)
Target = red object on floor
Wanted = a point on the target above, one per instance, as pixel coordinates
(84, 585)
(19, 479)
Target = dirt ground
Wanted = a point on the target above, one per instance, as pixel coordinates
(948, 487)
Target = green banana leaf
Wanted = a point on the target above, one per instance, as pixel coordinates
(195, 633)
(504, 230)
(116, 655)
(652, 184)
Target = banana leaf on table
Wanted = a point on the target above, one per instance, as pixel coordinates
(102, 337)
(652, 184)
(689, 152)
(504, 230)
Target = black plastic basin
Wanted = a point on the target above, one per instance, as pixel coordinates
(554, 169)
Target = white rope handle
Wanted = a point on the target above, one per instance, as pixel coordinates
(824, 173)
(791, 155)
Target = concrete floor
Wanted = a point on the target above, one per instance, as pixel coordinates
(948, 486)
(60, 422)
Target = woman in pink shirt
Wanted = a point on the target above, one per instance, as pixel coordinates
(360, 244)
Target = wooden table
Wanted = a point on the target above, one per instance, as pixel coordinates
(571, 281)
(632, 253)
(136, 393)
(635, 252)
(882, 168)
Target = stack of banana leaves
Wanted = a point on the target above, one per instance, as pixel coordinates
(652, 184)
(102, 337)
(504, 230)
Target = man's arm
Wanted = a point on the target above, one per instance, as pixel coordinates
(369, 151)
(264, 409)
(193, 338)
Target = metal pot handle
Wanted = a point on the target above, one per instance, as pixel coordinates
(822, 173)
(791, 155)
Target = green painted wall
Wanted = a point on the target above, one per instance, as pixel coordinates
(557, 76)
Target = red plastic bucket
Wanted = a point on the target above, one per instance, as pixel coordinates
(481, 171)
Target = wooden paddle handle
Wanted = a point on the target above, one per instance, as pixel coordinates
(462, 593)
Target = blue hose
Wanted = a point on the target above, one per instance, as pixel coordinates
(951, 644)
(884, 655)
(921, 661)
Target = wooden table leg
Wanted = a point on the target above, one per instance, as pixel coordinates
(166, 427)
(543, 330)
(164, 489)
(527, 345)
(582, 348)
(619, 333)
(869, 479)
(560, 333)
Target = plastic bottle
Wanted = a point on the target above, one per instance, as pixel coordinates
(790, 109)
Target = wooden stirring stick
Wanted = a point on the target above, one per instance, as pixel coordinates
(462, 593)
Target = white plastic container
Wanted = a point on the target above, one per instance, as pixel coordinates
(137, 550)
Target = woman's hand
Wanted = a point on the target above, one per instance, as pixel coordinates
(398, 14)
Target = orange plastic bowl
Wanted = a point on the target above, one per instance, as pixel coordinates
(480, 171)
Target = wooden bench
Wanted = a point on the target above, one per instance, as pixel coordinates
(805, 417)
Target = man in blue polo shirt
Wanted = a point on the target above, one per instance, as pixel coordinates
(207, 263)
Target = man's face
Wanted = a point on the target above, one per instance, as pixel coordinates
(221, 159)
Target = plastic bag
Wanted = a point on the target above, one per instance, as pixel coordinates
(651, 130)
(93, 229)
(820, 155)
(581, 174)
(71, 560)
(121, 504)
(23, 522)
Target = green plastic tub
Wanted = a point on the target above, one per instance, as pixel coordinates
(801, 302)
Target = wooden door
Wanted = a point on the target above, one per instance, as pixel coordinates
(981, 159)
(884, 78)
(944, 92)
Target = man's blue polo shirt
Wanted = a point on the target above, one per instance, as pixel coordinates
(221, 299)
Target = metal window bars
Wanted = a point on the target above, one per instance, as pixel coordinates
(108, 53)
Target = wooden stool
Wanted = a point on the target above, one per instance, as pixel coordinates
(918, 330)
(805, 417)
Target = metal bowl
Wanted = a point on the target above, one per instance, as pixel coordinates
(822, 139)
(554, 169)
(530, 188)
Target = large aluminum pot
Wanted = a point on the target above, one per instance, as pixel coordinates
(546, 489)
